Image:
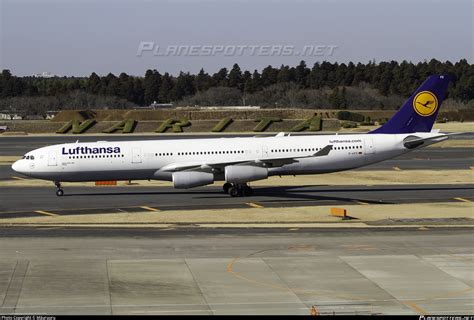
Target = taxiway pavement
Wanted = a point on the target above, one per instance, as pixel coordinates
(167, 272)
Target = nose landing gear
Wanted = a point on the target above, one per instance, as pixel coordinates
(59, 191)
(238, 189)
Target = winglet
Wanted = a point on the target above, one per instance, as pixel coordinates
(324, 151)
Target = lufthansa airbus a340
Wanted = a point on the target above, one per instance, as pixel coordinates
(192, 163)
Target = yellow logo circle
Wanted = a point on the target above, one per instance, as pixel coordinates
(425, 103)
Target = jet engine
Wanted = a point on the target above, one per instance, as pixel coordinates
(243, 174)
(191, 179)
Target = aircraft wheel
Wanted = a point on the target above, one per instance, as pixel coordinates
(59, 192)
(235, 192)
(227, 187)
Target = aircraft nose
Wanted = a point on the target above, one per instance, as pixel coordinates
(17, 166)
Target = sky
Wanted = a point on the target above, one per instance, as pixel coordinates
(78, 37)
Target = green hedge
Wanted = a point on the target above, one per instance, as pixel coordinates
(126, 126)
(224, 123)
(264, 123)
(76, 126)
(175, 125)
(349, 124)
(314, 123)
(351, 116)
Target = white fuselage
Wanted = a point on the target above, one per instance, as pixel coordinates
(136, 160)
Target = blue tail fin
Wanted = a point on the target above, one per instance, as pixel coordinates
(419, 112)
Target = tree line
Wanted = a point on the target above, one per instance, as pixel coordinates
(323, 85)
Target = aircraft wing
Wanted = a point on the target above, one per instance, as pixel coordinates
(267, 162)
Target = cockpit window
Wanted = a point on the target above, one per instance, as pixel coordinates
(32, 157)
(28, 157)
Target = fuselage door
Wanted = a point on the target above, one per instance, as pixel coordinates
(136, 155)
(264, 151)
(369, 145)
(52, 158)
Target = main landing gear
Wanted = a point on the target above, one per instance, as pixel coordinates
(60, 191)
(237, 189)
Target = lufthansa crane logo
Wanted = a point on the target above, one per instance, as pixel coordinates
(425, 103)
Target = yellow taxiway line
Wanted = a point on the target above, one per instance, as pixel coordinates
(46, 213)
(150, 208)
(254, 205)
(18, 178)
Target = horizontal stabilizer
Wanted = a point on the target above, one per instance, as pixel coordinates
(412, 142)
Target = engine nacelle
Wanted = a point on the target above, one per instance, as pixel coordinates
(243, 174)
(191, 179)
